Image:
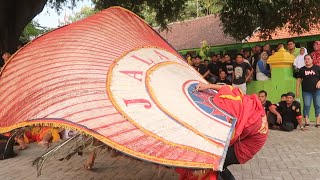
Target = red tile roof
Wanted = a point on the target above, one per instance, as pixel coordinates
(189, 34)
(282, 33)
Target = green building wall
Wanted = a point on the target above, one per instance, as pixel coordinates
(281, 82)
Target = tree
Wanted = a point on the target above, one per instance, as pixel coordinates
(192, 9)
(166, 11)
(241, 17)
(16, 14)
(83, 13)
(33, 30)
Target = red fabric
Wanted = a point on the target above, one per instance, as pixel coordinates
(316, 57)
(187, 174)
(247, 139)
(250, 142)
(32, 138)
(249, 111)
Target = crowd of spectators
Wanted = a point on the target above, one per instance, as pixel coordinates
(247, 66)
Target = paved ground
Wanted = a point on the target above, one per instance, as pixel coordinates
(294, 155)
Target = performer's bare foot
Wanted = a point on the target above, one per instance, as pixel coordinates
(88, 166)
(90, 161)
(22, 144)
(44, 144)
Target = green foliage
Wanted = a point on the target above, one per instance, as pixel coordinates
(190, 9)
(59, 4)
(158, 13)
(204, 51)
(241, 17)
(208, 7)
(33, 30)
(83, 13)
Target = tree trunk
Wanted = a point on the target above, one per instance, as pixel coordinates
(14, 16)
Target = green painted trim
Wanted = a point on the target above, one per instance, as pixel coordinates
(238, 46)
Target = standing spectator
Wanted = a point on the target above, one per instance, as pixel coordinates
(222, 79)
(227, 66)
(292, 48)
(214, 67)
(279, 46)
(267, 48)
(299, 61)
(246, 54)
(241, 73)
(316, 53)
(219, 57)
(263, 69)
(206, 62)
(254, 60)
(309, 75)
(201, 68)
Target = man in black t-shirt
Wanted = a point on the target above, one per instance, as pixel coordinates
(214, 67)
(254, 59)
(288, 113)
(201, 68)
(262, 95)
(242, 72)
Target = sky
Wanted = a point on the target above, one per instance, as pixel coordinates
(50, 18)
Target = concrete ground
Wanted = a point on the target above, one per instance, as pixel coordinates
(286, 155)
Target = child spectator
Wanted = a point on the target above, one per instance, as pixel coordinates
(222, 78)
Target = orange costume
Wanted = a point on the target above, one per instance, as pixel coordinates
(36, 134)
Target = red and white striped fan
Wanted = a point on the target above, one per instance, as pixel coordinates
(113, 77)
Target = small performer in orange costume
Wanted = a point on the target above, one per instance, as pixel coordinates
(42, 135)
(250, 134)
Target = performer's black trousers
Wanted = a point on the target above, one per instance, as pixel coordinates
(231, 158)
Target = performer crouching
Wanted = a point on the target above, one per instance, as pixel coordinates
(250, 132)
